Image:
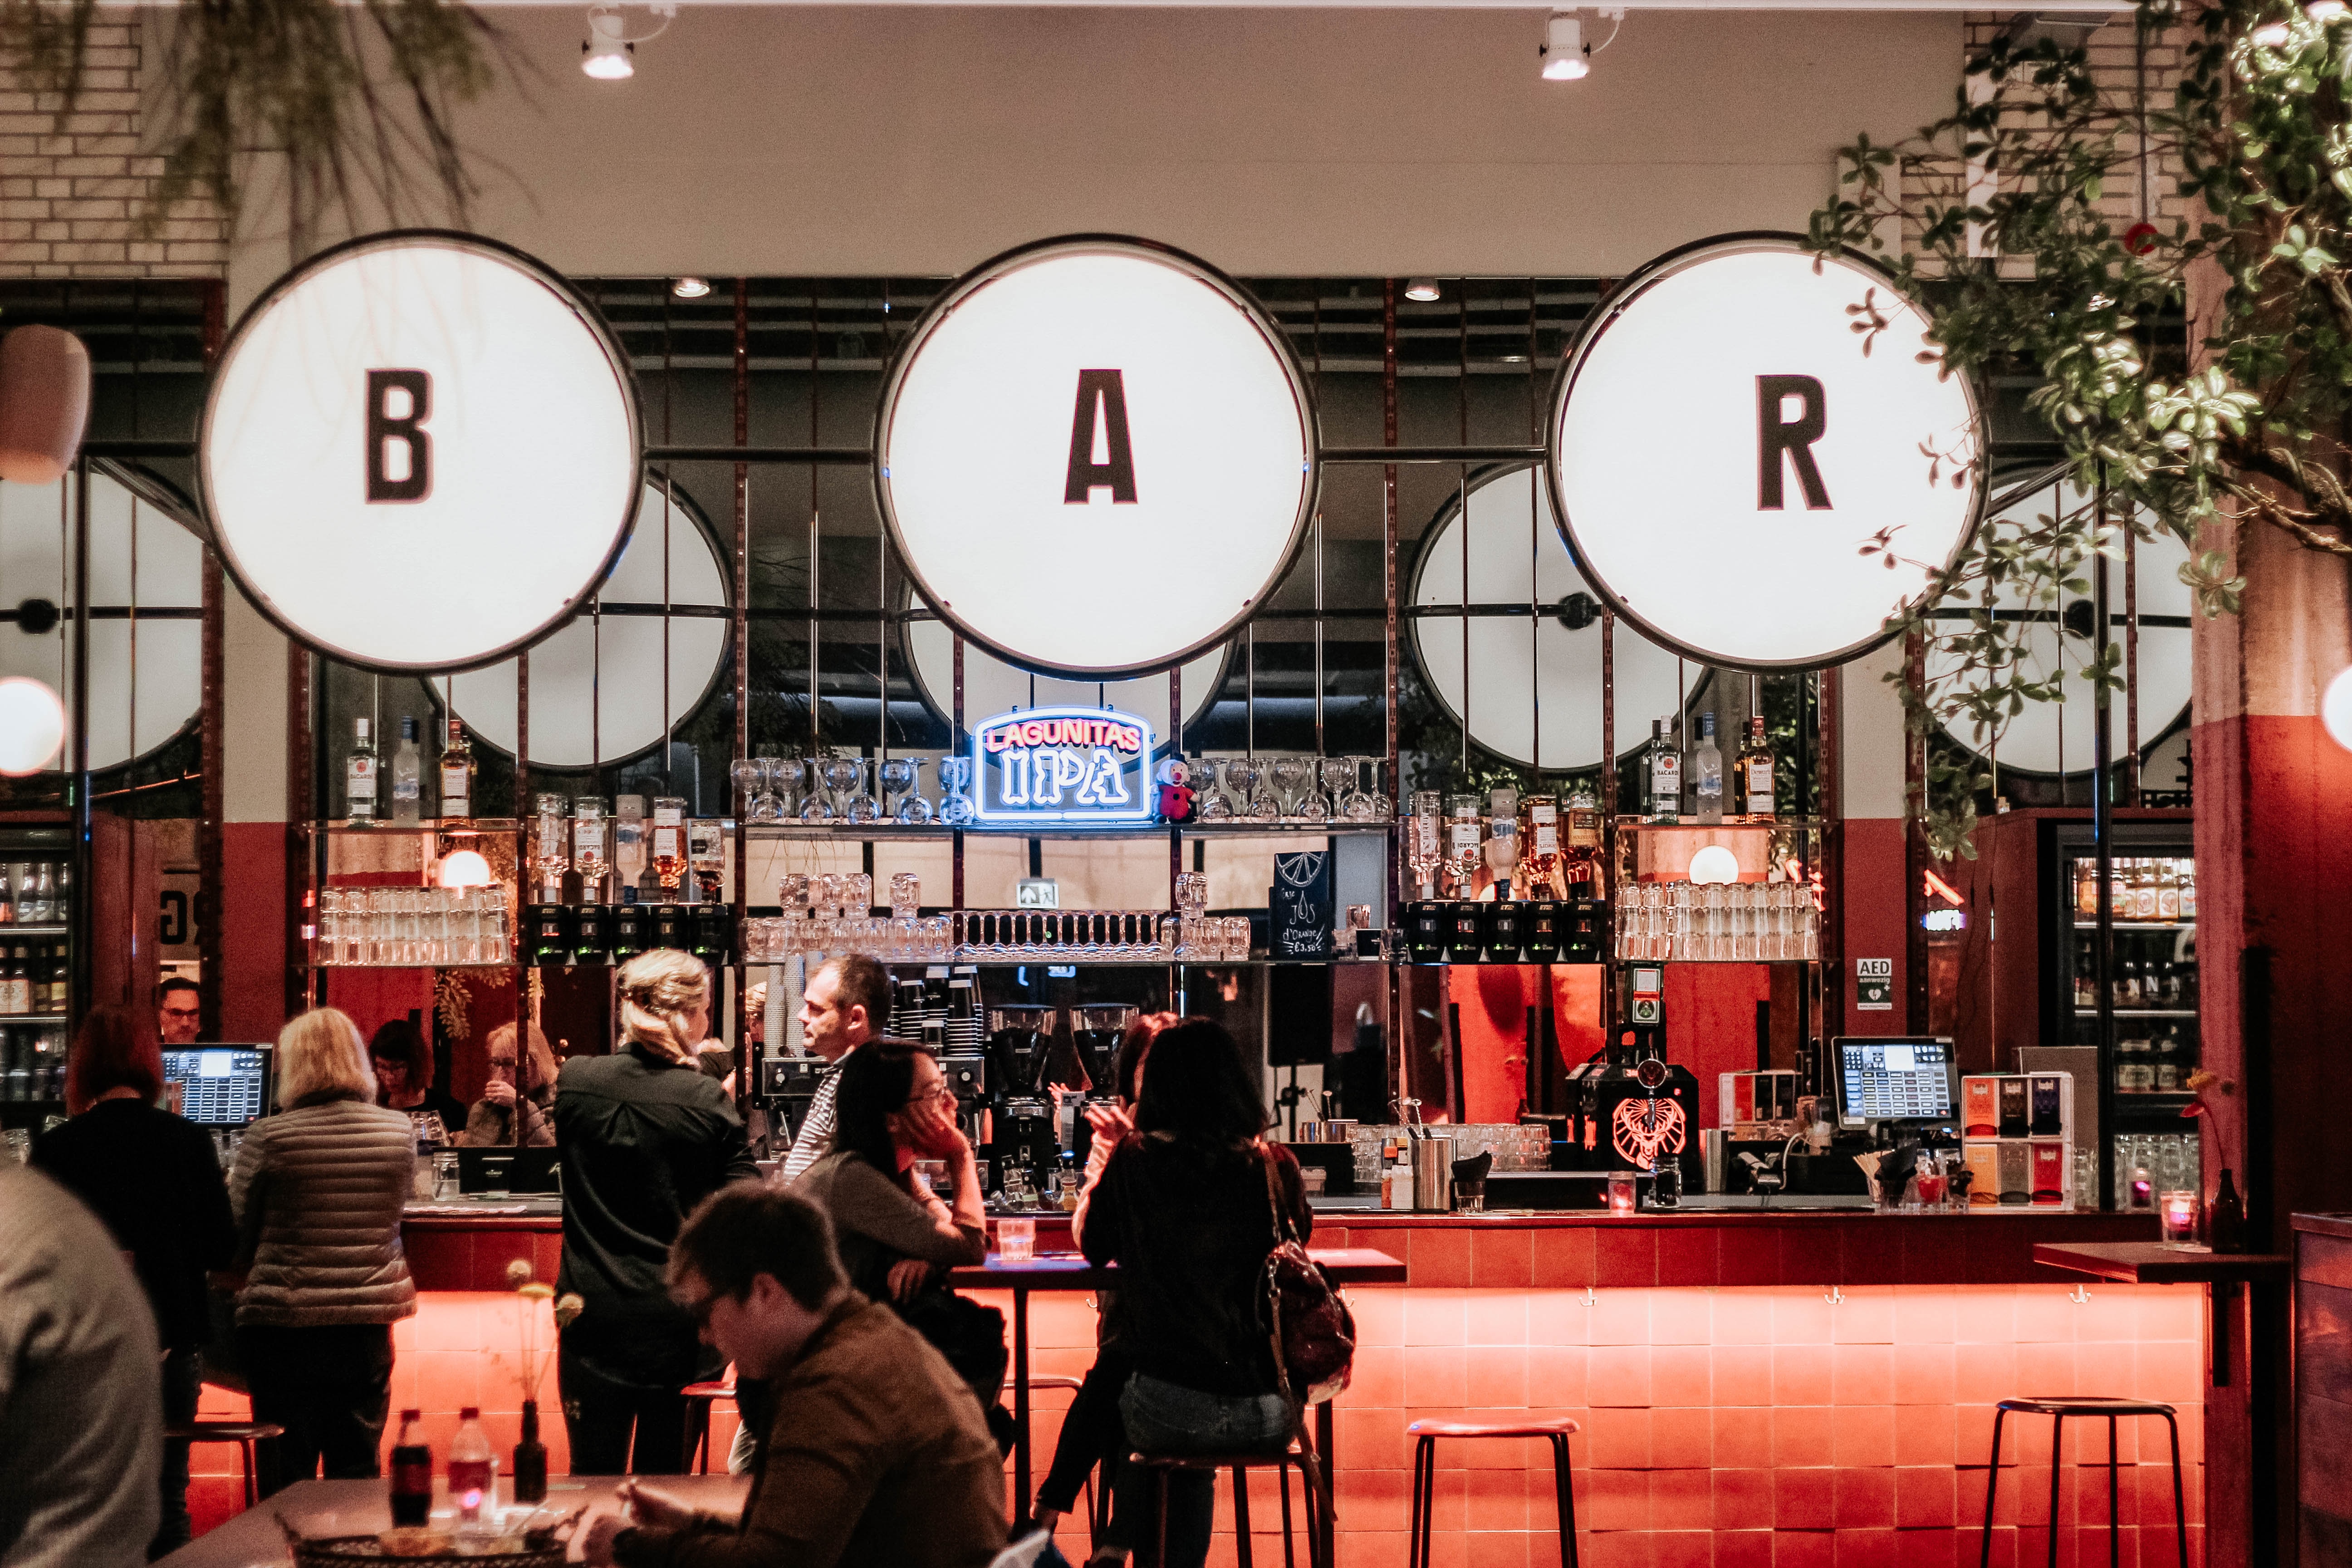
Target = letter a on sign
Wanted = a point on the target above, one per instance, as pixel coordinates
(407, 428)
(1102, 407)
(1776, 434)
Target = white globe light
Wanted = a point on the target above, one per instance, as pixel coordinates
(1714, 864)
(32, 725)
(465, 869)
(2335, 709)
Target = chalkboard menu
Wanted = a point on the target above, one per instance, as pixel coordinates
(1300, 905)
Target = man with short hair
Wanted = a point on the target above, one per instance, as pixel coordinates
(878, 1455)
(846, 1004)
(179, 1011)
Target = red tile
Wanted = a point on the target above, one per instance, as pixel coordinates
(1925, 1497)
(1497, 1500)
(1925, 1316)
(1556, 1376)
(1619, 1501)
(1563, 1258)
(2105, 1369)
(2045, 1369)
(1742, 1374)
(1742, 1438)
(1625, 1255)
(1812, 1255)
(1801, 1374)
(1743, 1548)
(439, 1259)
(1621, 1549)
(1871, 1255)
(1866, 1498)
(1436, 1378)
(1985, 1374)
(1678, 1548)
(1498, 1377)
(1864, 1434)
(1934, 1251)
(1804, 1499)
(1618, 1374)
(1686, 1256)
(1437, 1258)
(1869, 1547)
(1495, 1318)
(1681, 1499)
(1433, 1318)
(1747, 1256)
(1862, 1374)
(1925, 1374)
(1682, 1374)
(1374, 1500)
(1865, 1316)
(1681, 1439)
(1619, 1318)
(1803, 1316)
(1365, 1439)
(1803, 1435)
(1502, 1259)
(1682, 1317)
(1617, 1440)
(1743, 1317)
(1743, 1501)
(1377, 1379)
(495, 1249)
(1804, 1549)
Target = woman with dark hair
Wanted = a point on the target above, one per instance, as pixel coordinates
(155, 1181)
(403, 1064)
(1183, 1207)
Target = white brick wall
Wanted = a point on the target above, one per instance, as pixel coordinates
(71, 191)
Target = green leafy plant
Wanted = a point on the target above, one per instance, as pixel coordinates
(2006, 242)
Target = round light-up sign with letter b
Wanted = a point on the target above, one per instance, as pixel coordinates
(1096, 457)
(1756, 456)
(420, 452)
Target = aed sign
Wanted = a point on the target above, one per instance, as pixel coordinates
(1096, 457)
(1873, 985)
(1756, 456)
(420, 452)
(1062, 766)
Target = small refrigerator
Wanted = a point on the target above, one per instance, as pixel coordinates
(2153, 984)
(35, 965)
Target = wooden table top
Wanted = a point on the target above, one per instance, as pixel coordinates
(1069, 1271)
(2160, 1263)
(253, 1538)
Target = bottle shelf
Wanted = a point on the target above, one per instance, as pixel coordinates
(10, 931)
(2121, 927)
(900, 832)
(8, 1018)
(1729, 823)
(2140, 1011)
(381, 830)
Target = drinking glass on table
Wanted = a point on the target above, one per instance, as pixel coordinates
(1016, 1240)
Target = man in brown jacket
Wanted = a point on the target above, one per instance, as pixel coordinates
(879, 1454)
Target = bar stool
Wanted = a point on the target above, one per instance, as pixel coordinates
(1425, 1434)
(243, 1434)
(700, 1398)
(2094, 1406)
(1167, 1465)
(1098, 1505)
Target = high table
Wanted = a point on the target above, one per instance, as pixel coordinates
(1068, 1271)
(253, 1538)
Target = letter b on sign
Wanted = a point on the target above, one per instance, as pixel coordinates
(397, 404)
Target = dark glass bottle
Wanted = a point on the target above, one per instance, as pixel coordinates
(412, 1473)
(2225, 1226)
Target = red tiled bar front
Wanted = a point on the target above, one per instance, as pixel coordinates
(1812, 1389)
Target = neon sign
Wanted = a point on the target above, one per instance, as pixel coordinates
(1062, 764)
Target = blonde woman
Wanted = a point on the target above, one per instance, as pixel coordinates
(504, 1108)
(317, 1190)
(643, 1137)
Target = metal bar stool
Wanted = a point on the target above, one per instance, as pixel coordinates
(1098, 1503)
(700, 1398)
(1167, 1465)
(243, 1434)
(1555, 1430)
(2094, 1406)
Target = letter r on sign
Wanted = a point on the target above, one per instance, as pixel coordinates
(1776, 434)
(412, 389)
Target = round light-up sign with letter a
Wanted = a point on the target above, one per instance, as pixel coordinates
(1096, 457)
(420, 452)
(1756, 456)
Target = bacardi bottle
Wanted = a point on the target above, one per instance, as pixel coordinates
(457, 774)
(1665, 775)
(1464, 845)
(359, 775)
(1755, 773)
(1581, 870)
(407, 778)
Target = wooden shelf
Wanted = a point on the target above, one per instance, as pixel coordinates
(2160, 1263)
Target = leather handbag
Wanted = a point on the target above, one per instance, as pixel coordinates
(1313, 1333)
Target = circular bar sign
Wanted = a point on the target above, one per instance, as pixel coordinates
(1096, 457)
(1757, 456)
(420, 452)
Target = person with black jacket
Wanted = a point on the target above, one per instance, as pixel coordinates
(403, 1064)
(1186, 1208)
(643, 1137)
(153, 1179)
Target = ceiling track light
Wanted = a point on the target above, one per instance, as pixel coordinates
(690, 288)
(1424, 290)
(1564, 54)
(607, 54)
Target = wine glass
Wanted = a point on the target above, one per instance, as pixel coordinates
(1384, 805)
(955, 789)
(1290, 776)
(743, 772)
(814, 806)
(1338, 775)
(1209, 802)
(847, 776)
(768, 804)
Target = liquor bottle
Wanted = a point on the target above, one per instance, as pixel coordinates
(359, 775)
(1464, 845)
(2086, 889)
(667, 860)
(42, 907)
(2187, 869)
(8, 895)
(1755, 773)
(2086, 984)
(2167, 890)
(1583, 873)
(2143, 888)
(411, 1473)
(457, 770)
(1665, 776)
(15, 986)
(472, 1465)
(407, 778)
(1708, 765)
(60, 980)
(1425, 851)
(1539, 846)
(2127, 983)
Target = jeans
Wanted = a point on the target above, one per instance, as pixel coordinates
(1092, 1433)
(329, 1388)
(1164, 1418)
(184, 1376)
(621, 1406)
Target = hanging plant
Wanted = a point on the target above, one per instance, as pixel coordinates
(2009, 248)
(355, 102)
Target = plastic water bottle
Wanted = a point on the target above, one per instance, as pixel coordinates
(473, 1473)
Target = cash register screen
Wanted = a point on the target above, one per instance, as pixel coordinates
(1895, 1081)
(219, 1086)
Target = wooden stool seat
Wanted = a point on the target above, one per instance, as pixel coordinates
(2060, 1408)
(699, 1398)
(1283, 1458)
(1554, 1430)
(243, 1434)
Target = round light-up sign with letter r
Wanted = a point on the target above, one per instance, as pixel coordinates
(1758, 457)
(420, 452)
(1096, 456)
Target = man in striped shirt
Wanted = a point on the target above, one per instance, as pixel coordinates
(846, 1004)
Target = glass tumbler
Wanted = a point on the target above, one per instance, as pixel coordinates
(906, 893)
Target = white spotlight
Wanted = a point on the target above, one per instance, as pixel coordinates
(606, 56)
(1421, 288)
(32, 725)
(690, 288)
(2270, 35)
(2325, 11)
(2334, 709)
(1563, 51)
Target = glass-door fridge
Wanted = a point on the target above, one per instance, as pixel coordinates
(2154, 988)
(36, 964)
